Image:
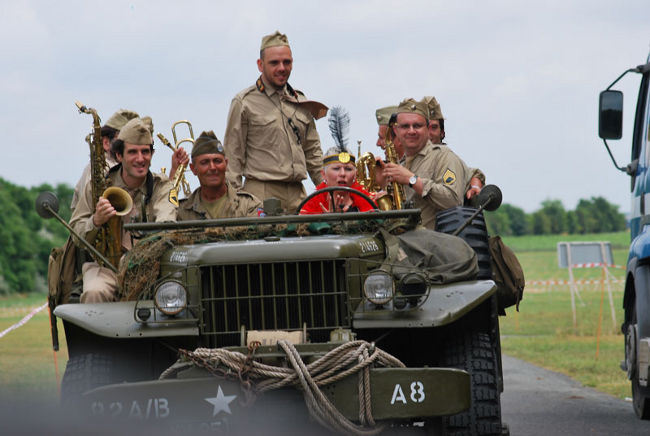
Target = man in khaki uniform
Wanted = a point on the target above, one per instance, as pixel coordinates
(216, 197)
(271, 137)
(150, 192)
(109, 131)
(437, 135)
(432, 175)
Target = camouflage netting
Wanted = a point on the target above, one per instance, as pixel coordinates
(140, 267)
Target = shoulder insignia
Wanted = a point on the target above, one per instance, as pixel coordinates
(448, 178)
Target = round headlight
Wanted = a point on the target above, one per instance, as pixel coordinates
(379, 288)
(170, 298)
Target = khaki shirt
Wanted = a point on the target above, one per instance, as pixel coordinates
(159, 209)
(260, 142)
(85, 179)
(445, 178)
(238, 204)
(473, 172)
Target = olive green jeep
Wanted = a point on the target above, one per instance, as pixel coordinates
(355, 322)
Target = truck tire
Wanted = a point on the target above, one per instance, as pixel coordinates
(84, 372)
(475, 234)
(471, 349)
(640, 400)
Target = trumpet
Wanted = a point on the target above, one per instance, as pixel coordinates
(179, 176)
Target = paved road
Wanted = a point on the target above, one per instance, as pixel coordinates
(536, 401)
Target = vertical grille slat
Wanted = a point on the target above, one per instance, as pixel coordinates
(272, 296)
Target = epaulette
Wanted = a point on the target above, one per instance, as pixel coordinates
(245, 194)
(243, 93)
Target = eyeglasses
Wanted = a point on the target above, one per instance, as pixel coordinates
(415, 126)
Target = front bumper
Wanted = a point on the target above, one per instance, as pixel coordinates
(198, 400)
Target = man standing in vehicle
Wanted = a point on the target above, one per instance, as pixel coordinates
(216, 197)
(150, 195)
(271, 138)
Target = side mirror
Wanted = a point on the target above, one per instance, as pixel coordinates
(610, 115)
(47, 204)
(490, 197)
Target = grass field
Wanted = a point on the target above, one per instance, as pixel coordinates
(27, 362)
(542, 332)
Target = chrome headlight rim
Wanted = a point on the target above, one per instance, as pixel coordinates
(390, 289)
(174, 310)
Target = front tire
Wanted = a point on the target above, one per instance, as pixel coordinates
(640, 400)
(84, 372)
(471, 349)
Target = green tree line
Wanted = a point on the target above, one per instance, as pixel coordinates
(595, 215)
(26, 238)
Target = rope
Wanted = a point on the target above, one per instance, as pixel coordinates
(349, 358)
(23, 321)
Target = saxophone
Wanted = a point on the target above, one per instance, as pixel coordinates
(109, 239)
(396, 190)
(366, 177)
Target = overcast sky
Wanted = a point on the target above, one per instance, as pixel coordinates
(518, 82)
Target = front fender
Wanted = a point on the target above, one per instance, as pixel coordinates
(116, 320)
(444, 305)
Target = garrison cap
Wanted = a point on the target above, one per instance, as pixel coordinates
(136, 132)
(149, 122)
(120, 118)
(435, 113)
(273, 40)
(383, 114)
(410, 106)
(207, 143)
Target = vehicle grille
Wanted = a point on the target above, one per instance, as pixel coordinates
(272, 296)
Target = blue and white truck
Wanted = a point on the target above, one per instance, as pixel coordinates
(636, 299)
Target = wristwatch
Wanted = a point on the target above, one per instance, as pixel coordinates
(413, 180)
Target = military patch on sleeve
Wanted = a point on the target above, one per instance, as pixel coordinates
(448, 178)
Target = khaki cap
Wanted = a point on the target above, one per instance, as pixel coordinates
(410, 106)
(383, 114)
(207, 143)
(120, 118)
(435, 113)
(273, 40)
(136, 132)
(149, 122)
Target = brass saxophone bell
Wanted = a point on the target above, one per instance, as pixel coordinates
(119, 199)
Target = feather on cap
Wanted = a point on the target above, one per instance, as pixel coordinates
(339, 124)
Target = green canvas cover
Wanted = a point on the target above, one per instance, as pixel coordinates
(442, 258)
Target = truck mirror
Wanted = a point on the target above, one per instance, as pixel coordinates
(610, 115)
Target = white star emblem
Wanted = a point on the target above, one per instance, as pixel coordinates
(220, 402)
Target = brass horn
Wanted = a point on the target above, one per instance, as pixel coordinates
(179, 176)
(119, 199)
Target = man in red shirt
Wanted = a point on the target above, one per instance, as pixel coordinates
(338, 170)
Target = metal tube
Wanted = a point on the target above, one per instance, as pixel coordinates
(85, 243)
(285, 219)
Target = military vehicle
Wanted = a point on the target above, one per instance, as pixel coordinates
(636, 298)
(361, 322)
